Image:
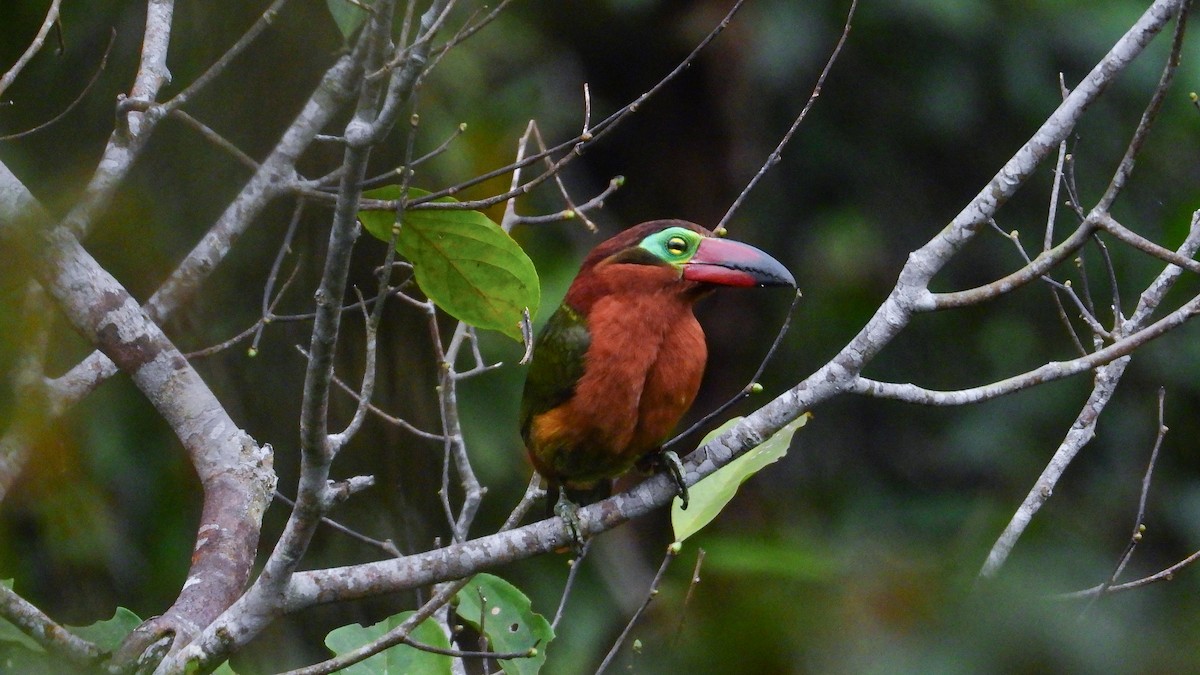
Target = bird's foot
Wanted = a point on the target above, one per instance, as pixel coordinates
(674, 467)
(569, 512)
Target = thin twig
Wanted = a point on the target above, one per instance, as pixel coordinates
(533, 492)
(777, 153)
(569, 585)
(573, 147)
(1139, 526)
(217, 139)
(391, 638)
(385, 545)
(254, 331)
(1111, 270)
(390, 419)
(317, 445)
(443, 595)
(216, 69)
(749, 388)
(1048, 237)
(1085, 312)
(672, 552)
(1149, 115)
(504, 656)
(78, 99)
(1167, 574)
(34, 47)
(399, 171)
(687, 598)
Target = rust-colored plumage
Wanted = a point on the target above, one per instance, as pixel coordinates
(620, 362)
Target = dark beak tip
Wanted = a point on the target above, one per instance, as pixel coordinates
(771, 272)
(733, 263)
(785, 279)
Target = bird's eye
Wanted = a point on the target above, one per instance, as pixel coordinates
(677, 246)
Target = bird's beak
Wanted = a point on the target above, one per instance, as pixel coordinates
(732, 263)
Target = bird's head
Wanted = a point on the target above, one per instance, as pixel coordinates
(672, 254)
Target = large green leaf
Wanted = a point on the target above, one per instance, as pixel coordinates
(709, 496)
(108, 634)
(463, 261)
(394, 660)
(347, 15)
(21, 654)
(506, 618)
(15, 658)
(788, 559)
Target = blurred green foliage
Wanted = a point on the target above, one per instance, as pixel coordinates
(855, 553)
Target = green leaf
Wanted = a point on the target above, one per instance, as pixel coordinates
(224, 669)
(710, 495)
(347, 15)
(505, 616)
(464, 262)
(394, 660)
(11, 634)
(109, 634)
(787, 559)
(15, 658)
(379, 223)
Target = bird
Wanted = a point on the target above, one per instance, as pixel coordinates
(619, 362)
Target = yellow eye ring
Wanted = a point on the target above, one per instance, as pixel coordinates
(677, 246)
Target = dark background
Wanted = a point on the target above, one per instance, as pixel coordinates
(858, 551)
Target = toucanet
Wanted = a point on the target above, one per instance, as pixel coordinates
(620, 361)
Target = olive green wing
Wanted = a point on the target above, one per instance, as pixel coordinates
(559, 356)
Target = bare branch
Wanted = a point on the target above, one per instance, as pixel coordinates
(1035, 269)
(1139, 526)
(1083, 429)
(400, 634)
(134, 125)
(386, 545)
(216, 139)
(672, 552)
(1149, 115)
(1127, 236)
(1167, 574)
(777, 153)
(1055, 370)
(53, 637)
(78, 99)
(266, 19)
(34, 47)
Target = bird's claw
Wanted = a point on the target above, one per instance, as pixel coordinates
(675, 468)
(569, 512)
